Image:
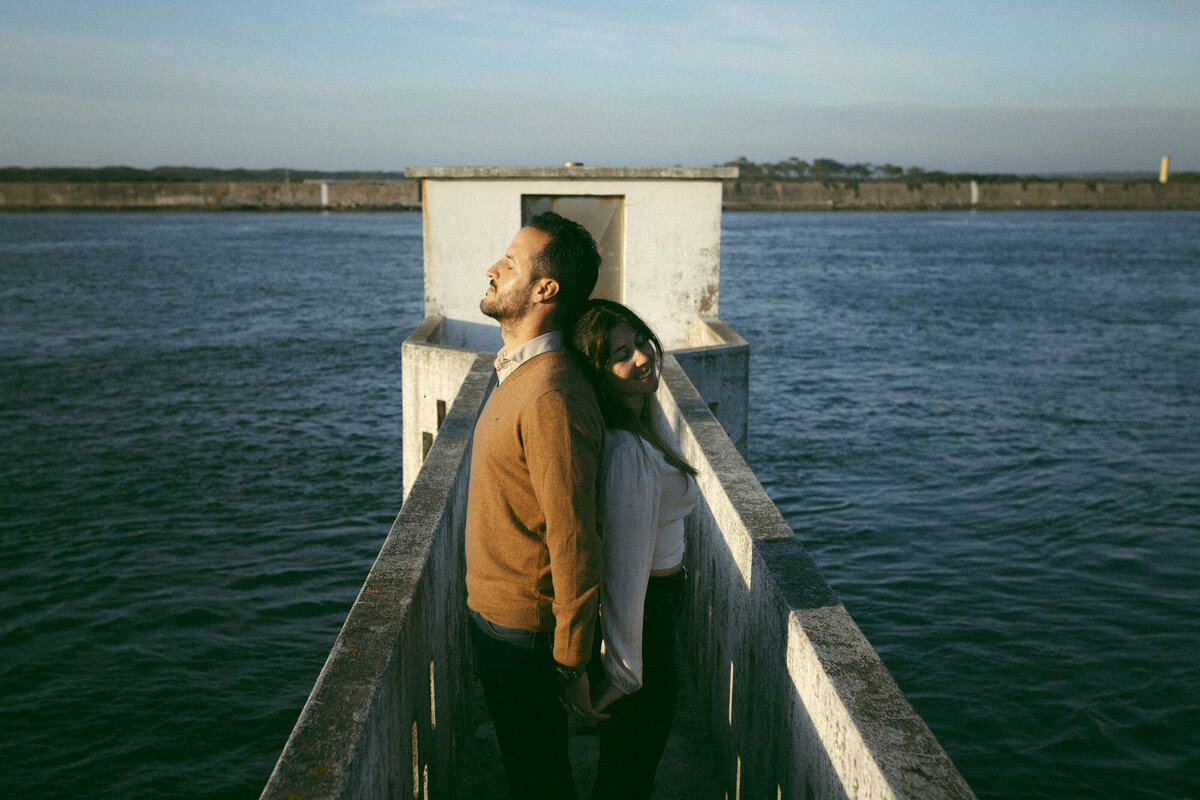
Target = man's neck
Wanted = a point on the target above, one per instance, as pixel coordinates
(519, 331)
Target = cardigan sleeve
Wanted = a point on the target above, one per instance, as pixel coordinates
(562, 445)
(632, 491)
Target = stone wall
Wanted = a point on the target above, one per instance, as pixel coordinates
(736, 195)
(900, 196)
(210, 196)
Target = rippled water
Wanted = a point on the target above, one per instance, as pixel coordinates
(201, 459)
(985, 427)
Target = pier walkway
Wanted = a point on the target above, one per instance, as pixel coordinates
(687, 772)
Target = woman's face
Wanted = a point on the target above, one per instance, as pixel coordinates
(631, 370)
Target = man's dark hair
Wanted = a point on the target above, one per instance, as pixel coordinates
(571, 258)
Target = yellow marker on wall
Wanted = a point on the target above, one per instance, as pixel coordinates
(1162, 171)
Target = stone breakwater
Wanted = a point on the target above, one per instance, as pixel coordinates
(211, 196)
(901, 196)
(737, 195)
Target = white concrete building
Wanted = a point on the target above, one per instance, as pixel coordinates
(659, 233)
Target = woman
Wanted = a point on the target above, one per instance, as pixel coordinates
(646, 491)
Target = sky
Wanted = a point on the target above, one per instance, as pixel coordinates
(1045, 87)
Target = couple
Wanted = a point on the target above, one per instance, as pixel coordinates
(575, 504)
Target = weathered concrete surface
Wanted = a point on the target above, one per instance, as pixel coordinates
(719, 366)
(665, 266)
(432, 373)
(388, 713)
(581, 172)
(798, 703)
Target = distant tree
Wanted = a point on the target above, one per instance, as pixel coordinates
(792, 168)
(746, 167)
(826, 167)
(796, 168)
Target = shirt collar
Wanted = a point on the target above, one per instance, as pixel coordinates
(507, 360)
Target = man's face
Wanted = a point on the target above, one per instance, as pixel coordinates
(510, 280)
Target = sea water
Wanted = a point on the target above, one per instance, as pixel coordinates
(985, 427)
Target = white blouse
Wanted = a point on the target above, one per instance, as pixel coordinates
(644, 501)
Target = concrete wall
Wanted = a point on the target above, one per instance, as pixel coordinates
(799, 703)
(386, 717)
(432, 374)
(209, 196)
(900, 196)
(720, 370)
(737, 195)
(671, 245)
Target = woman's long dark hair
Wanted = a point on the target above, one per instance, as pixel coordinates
(590, 337)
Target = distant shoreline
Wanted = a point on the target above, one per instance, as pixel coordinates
(758, 194)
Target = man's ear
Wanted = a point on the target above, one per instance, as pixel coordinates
(545, 290)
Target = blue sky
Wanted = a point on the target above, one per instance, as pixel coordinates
(1009, 86)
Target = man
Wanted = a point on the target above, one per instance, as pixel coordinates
(532, 546)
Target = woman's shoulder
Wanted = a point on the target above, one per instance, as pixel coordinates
(628, 463)
(619, 437)
(625, 446)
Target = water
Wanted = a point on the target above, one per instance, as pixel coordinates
(985, 428)
(201, 459)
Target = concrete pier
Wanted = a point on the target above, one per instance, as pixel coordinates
(789, 694)
(784, 697)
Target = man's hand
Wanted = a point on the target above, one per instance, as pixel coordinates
(577, 700)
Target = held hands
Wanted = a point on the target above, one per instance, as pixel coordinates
(607, 695)
(577, 700)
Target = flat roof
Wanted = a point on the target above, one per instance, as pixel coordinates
(580, 172)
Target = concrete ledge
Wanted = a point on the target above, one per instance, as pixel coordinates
(431, 377)
(582, 172)
(719, 367)
(386, 717)
(799, 703)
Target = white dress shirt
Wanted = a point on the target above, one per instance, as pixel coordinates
(508, 360)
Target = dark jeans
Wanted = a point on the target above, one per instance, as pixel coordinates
(633, 739)
(516, 669)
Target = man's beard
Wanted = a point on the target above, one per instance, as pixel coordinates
(512, 305)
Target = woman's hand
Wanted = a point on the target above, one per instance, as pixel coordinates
(608, 694)
(577, 700)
